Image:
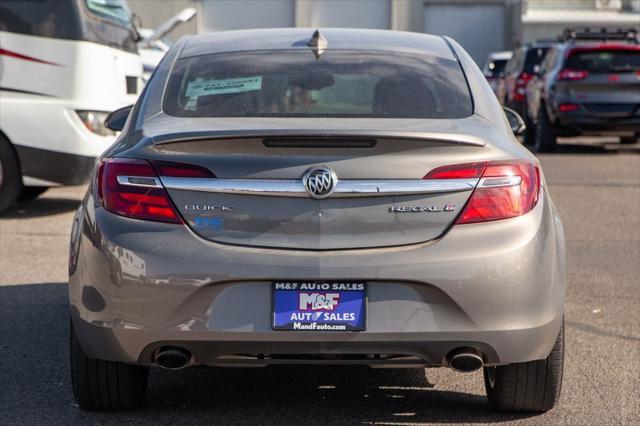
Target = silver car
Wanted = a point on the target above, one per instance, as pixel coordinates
(317, 197)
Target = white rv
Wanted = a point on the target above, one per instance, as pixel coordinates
(64, 65)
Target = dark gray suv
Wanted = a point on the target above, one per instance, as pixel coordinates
(588, 84)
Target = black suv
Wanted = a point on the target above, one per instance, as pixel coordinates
(589, 83)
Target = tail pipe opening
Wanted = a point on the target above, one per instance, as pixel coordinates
(465, 360)
(172, 358)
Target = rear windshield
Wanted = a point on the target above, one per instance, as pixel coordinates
(340, 83)
(605, 61)
(535, 56)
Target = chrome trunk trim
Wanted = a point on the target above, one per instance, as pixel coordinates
(295, 188)
(499, 181)
(142, 181)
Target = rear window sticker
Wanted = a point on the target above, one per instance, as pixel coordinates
(202, 87)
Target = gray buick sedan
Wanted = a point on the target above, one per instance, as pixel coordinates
(301, 196)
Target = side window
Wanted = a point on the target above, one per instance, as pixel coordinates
(518, 61)
(507, 68)
(521, 60)
(548, 61)
(39, 18)
(512, 64)
(116, 11)
(558, 58)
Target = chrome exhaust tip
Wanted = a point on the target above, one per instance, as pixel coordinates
(172, 358)
(465, 360)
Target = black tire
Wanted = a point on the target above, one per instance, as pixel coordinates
(529, 386)
(545, 138)
(10, 179)
(31, 192)
(627, 140)
(530, 131)
(105, 385)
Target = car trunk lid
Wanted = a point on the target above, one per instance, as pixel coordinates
(258, 198)
(379, 199)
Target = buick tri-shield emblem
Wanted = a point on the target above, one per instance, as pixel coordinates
(320, 182)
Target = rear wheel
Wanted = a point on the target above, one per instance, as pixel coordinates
(105, 385)
(31, 192)
(629, 139)
(532, 386)
(530, 131)
(545, 139)
(10, 180)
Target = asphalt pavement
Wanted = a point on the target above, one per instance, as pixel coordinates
(596, 187)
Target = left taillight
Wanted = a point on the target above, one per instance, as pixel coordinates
(519, 89)
(505, 189)
(132, 188)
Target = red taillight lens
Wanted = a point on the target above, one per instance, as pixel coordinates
(137, 194)
(168, 168)
(519, 89)
(458, 171)
(568, 107)
(572, 75)
(506, 188)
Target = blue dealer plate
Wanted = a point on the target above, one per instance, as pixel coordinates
(319, 306)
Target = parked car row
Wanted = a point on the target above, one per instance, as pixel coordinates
(587, 83)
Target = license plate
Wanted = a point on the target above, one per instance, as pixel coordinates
(319, 306)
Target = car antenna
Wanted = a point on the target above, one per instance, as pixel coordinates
(317, 43)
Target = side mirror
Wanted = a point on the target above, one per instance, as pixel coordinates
(116, 120)
(515, 121)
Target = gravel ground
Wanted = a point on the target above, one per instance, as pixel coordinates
(596, 187)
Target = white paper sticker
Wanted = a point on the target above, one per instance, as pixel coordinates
(202, 87)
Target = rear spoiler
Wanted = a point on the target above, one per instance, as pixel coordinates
(319, 135)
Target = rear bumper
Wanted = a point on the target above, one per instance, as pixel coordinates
(582, 120)
(47, 167)
(429, 349)
(498, 287)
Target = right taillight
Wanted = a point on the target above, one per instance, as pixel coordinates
(568, 107)
(132, 188)
(505, 189)
(572, 75)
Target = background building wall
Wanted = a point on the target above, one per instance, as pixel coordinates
(547, 19)
(344, 13)
(481, 26)
(219, 15)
